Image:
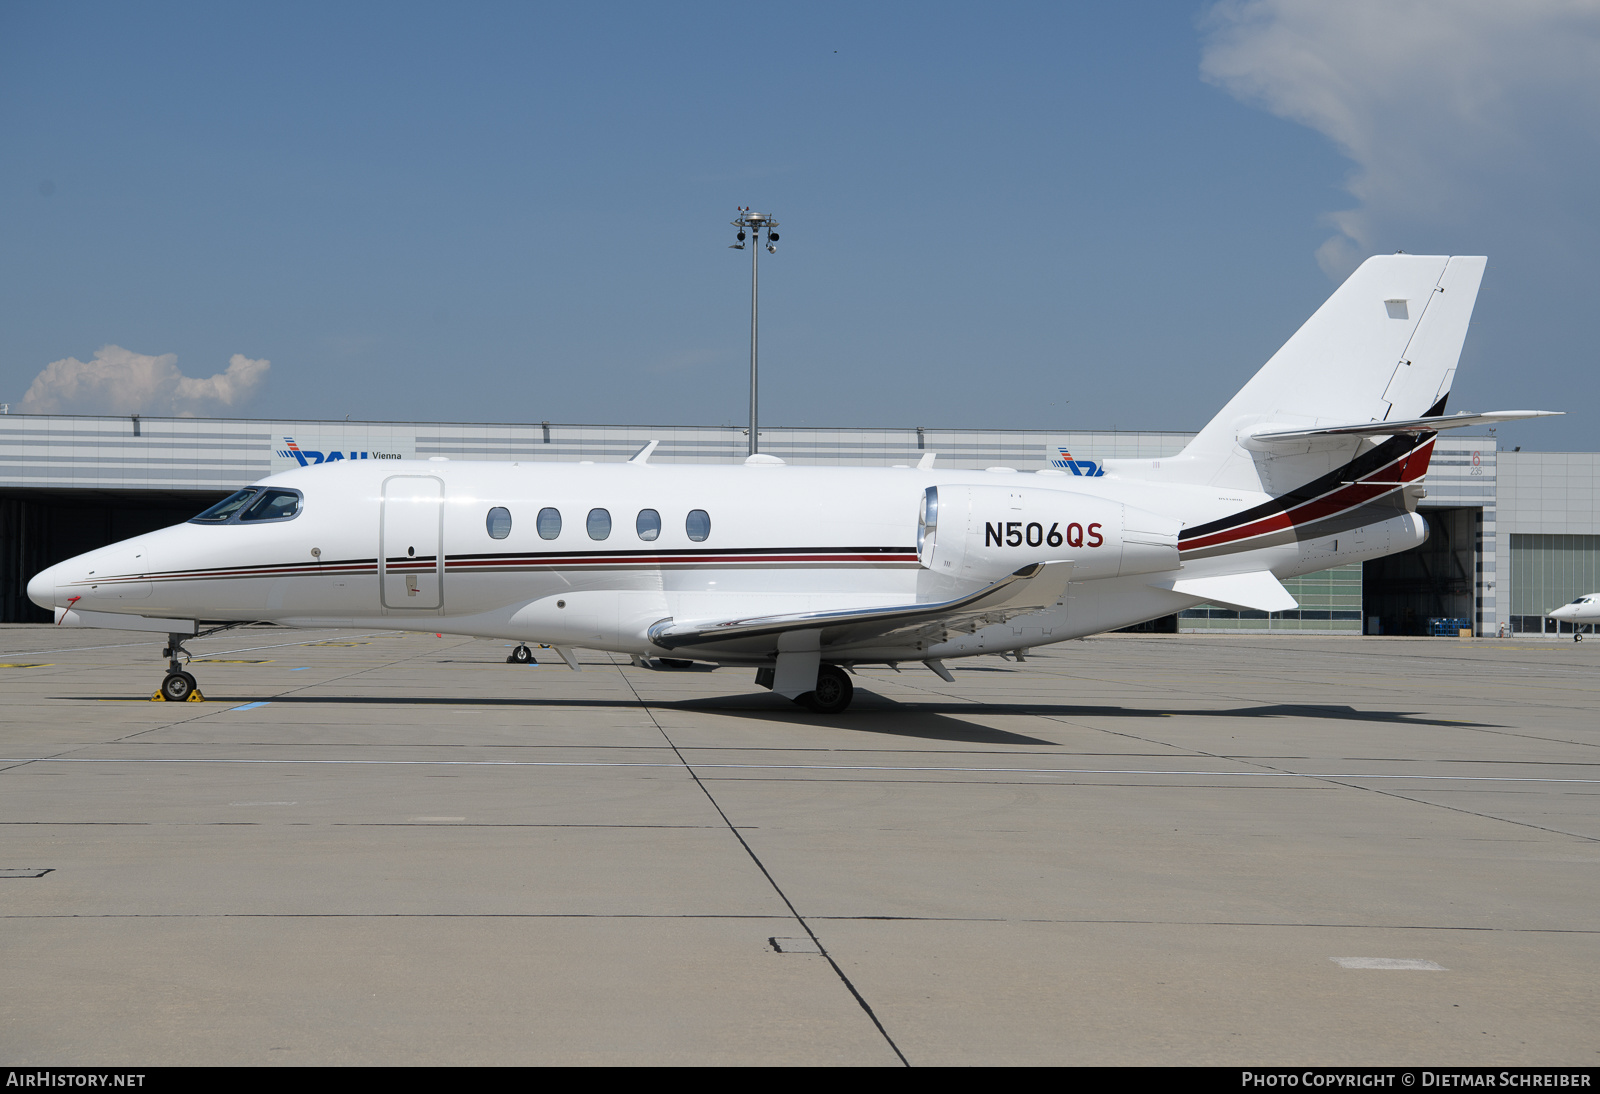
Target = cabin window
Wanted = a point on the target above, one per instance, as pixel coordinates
(499, 522)
(698, 525)
(599, 524)
(226, 509)
(273, 505)
(549, 523)
(648, 524)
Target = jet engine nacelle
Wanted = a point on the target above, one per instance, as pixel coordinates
(983, 533)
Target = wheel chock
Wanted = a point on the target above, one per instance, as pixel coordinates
(194, 697)
(158, 697)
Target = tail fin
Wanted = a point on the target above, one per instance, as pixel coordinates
(1383, 347)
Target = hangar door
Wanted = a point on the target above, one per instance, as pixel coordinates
(1401, 593)
(411, 542)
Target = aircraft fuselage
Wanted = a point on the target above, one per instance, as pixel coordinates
(593, 555)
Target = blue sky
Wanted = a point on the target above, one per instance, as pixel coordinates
(1034, 216)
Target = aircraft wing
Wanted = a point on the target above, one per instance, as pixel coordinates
(1033, 588)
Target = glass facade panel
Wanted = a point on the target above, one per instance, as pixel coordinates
(1330, 603)
(1549, 571)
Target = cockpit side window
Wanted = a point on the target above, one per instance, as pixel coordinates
(273, 505)
(226, 509)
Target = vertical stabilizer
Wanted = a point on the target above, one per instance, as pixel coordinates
(1383, 347)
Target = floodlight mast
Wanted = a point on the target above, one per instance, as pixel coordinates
(754, 223)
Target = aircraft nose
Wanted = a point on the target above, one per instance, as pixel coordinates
(42, 588)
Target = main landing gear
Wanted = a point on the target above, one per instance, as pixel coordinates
(831, 695)
(834, 691)
(522, 655)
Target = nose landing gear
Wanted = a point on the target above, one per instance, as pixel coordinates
(178, 686)
(522, 655)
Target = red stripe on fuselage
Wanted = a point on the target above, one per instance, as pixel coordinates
(757, 556)
(1408, 468)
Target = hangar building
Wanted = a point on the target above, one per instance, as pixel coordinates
(1513, 534)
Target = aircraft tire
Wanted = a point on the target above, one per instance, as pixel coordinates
(834, 691)
(177, 686)
(522, 655)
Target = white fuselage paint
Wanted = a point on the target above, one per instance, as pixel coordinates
(364, 551)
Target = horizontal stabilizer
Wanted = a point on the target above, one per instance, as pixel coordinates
(1270, 437)
(1259, 591)
(1033, 588)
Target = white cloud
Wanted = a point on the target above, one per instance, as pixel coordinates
(1446, 106)
(119, 381)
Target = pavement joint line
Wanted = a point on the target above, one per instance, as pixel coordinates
(715, 916)
(359, 824)
(855, 993)
(1330, 779)
(308, 642)
(690, 764)
(201, 715)
(1335, 780)
(208, 638)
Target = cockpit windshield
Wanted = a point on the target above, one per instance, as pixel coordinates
(253, 504)
(226, 509)
(273, 505)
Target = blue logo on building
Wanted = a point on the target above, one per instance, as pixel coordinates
(307, 457)
(1086, 468)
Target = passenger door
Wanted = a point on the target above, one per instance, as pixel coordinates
(411, 543)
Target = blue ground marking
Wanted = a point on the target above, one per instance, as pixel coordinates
(252, 706)
(302, 668)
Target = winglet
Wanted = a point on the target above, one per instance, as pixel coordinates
(926, 463)
(643, 455)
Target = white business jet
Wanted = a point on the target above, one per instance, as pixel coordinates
(804, 572)
(1585, 609)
